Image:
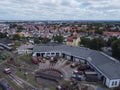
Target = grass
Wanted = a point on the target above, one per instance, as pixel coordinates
(26, 59)
(30, 78)
(17, 44)
(5, 55)
(21, 74)
(10, 82)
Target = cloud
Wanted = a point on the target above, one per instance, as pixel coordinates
(59, 10)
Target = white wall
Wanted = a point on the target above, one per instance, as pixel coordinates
(110, 82)
(24, 51)
(76, 60)
(68, 57)
(47, 53)
(79, 60)
(107, 82)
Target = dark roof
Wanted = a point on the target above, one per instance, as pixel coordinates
(5, 46)
(70, 50)
(6, 41)
(107, 65)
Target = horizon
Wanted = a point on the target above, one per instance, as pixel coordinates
(59, 20)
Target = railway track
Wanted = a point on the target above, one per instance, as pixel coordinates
(16, 80)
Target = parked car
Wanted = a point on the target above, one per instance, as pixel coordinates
(48, 57)
(43, 60)
(73, 65)
(85, 67)
(77, 72)
(7, 70)
(39, 59)
(67, 63)
(77, 77)
(62, 87)
(35, 60)
(59, 88)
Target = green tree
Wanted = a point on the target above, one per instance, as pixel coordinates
(97, 43)
(45, 40)
(16, 37)
(3, 35)
(110, 40)
(116, 48)
(20, 28)
(13, 25)
(59, 38)
(85, 41)
(97, 31)
(36, 40)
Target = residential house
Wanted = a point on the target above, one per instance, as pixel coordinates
(73, 41)
(25, 49)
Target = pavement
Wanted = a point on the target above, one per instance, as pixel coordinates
(100, 88)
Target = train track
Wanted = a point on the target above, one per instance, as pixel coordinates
(16, 80)
(20, 82)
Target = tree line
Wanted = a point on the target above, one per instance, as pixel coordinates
(98, 43)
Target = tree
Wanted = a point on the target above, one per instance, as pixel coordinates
(36, 40)
(3, 35)
(116, 48)
(20, 29)
(110, 40)
(59, 38)
(45, 40)
(13, 25)
(97, 43)
(16, 37)
(85, 41)
(97, 31)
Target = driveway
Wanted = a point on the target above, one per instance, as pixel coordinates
(100, 88)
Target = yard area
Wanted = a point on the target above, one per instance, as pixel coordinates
(26, 65)
(2, 75)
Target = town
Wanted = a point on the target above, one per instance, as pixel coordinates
(60, 55)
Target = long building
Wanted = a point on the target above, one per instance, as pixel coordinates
(5, 46)
(107, 67)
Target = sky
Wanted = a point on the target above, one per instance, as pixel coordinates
(59, 10)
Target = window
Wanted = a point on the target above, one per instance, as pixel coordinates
(57, 54)
(47, 53)
(112, 83)
(52, 53)
(115, 82)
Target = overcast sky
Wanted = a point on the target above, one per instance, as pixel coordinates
(59, 9)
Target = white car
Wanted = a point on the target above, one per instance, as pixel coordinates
(7, 70)
(77, 72)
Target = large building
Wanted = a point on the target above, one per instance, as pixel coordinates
(108, 68)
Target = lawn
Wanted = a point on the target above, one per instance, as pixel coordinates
(30, 78)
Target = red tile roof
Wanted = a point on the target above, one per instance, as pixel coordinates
(111, 33)
(70, 39)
